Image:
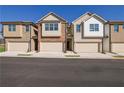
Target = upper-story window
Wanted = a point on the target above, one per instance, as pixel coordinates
(47, 27)
(51, 27)
(12, 27)
(77, 28)
(27, 28)
(55, 26)
(116, 28)
(94, 27)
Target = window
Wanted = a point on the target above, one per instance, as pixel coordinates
(94, 27)
(27, 27)
(12, 27)
(77, 28)
(55, 26)
(91, 27)
(116, 27)
(46, 27)
(51, 27)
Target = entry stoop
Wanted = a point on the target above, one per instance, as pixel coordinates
(71, 54)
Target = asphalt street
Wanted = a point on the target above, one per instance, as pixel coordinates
(56, 72)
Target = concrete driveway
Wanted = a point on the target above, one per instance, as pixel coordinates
(41, 72)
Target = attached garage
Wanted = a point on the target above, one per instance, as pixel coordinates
(118, 47)
(51, 46)
(17, 46)
(86, 47)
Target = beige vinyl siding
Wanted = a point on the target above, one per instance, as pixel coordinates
(51, 18)
(77, 36)
(17, 33)
(51, 33)
(117, 36)
(24, 38)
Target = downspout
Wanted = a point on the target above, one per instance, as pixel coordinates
(110, 46)
(103, 38)
(30, 36)
(4, 44)
(4, 39)
(102, 45)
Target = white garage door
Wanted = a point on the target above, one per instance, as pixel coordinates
(86, 47)
(51, 46)
(118, 47)
(17, 46)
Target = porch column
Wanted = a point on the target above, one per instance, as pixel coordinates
(82, 30)
(39, 36)
(65, 41)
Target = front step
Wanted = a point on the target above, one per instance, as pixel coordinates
(71, 54)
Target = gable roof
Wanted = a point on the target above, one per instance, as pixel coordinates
(87, 13)
(97, 17)
(19, 22)
(51, 13)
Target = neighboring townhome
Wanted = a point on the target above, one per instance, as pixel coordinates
(20, 36)
(116, 36)
(51, 36)
(89, 30)
(52, 33)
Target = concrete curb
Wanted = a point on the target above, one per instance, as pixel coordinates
(53, 57)
(61, 55)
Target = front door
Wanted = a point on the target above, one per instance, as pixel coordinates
(36, 44)
(69, 44)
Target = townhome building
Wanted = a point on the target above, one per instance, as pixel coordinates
(89, 33)
(116, 36)
(20, 36)
(51, 33)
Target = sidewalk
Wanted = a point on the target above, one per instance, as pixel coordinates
(49, 54)
(68, 54)
(122, 54)
(9, 53)
(95, 55)
(15, 53)
(118, 56)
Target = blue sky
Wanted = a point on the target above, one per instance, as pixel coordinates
(69, 12)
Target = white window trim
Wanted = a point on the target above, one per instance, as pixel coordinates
(12, 28)
(78, 30)
(26, 28)
(94, 28)
(53, 27)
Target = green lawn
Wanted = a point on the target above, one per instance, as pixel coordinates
(2, 49)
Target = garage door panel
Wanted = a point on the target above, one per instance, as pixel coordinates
(118, 47)
(86, 47)
(50, 46)
(17, 46)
